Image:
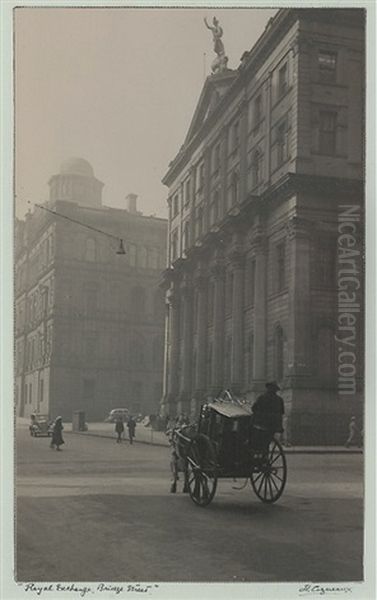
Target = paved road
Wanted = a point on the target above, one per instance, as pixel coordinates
(100, 511)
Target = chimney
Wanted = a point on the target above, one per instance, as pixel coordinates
(131, 203)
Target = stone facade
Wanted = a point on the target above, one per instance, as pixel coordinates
(274, 150)
(89, 323)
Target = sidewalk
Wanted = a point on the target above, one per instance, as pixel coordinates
(146, 435)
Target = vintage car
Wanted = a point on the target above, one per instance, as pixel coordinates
(40, 425)
(226, 443)
(117, 413)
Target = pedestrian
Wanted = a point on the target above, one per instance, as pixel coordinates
(354, 434)
(131, 424)
(119, 428)
(57, 438)
(268, 409)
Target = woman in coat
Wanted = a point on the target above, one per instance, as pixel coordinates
(57, 438)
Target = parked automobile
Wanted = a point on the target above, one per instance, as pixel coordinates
(117, 413)
(40, 425)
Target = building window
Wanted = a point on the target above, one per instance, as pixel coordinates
(214, 208)
(187, 192)
(175, 205)
(257, 116)
(216, 158)
(186, 235)
(174, 245)
(327, 62)
(199, 222)
(235, 137)
(234, 189)
(90, 249)
(256, 168)
(200, 182)
(280, 266)
(30, 392)
(282, 143)
(327, 132)
(283, 80)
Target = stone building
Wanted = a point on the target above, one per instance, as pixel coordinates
(256, 195)
(89, 323)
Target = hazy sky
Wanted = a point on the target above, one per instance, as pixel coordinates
(117, 86)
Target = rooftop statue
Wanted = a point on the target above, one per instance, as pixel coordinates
(220, 63)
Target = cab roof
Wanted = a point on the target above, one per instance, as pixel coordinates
(230, 409)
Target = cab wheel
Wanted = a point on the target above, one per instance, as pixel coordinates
(269, 475)
(201, 476)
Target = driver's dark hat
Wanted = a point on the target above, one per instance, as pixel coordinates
(272, 385)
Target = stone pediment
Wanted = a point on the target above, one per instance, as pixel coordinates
(214, 89)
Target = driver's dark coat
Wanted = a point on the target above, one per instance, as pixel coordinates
(268, 411)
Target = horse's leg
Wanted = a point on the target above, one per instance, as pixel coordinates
(174, 471)
(185, 476)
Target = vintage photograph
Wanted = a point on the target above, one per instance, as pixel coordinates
(189, 297)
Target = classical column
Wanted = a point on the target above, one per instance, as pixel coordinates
(201, 284)
(299, 325)
(173, 351)
(238, 262)
(186, 381)
(218, 272)
(260, 330)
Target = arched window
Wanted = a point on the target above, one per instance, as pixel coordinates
(279, 361)
(90, 250)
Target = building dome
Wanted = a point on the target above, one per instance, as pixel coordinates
(76, 166)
